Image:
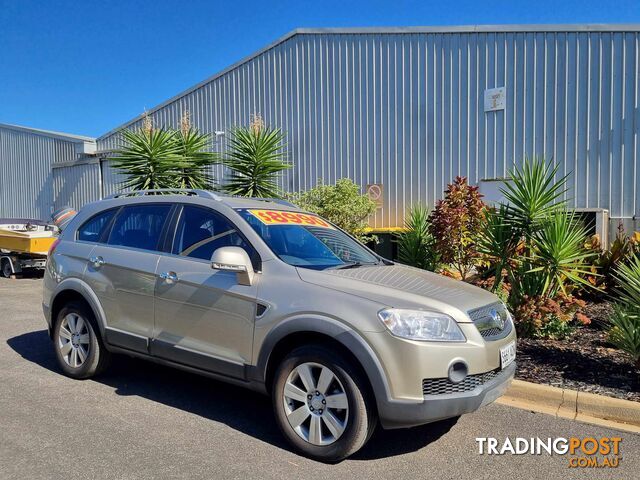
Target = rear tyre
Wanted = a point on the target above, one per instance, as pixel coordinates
(322, 404)
(79, 349)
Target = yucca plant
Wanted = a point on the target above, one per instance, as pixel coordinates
(255, 160)
(533, 194)
(624, 331)
(415, 243)
(627, 277)
(526, 283)
(560, 253)
(147, 158)
(624, 322)
(498, 241)
(195, 158)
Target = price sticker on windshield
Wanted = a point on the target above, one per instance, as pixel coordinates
(280, 217)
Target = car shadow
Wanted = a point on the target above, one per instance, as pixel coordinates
(239, 408)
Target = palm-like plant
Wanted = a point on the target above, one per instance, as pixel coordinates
(533, 193)
(191, 169)
(624, 331)
(416, 244)
(498, 241)
(147, 158)
(624, 322)
(560, 252)
(627, 277)
(255, 160)
(526, 283)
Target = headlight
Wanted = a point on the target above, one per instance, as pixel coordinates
(419, 325)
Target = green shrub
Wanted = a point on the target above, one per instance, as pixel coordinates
(415, 243)
(555, 329)
(455, 224)
(342, 204)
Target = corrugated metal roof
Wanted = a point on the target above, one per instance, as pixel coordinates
(48, 133)
(626, 27)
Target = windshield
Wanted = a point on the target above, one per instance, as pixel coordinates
(306, 240)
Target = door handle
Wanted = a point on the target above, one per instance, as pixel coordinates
(169, 277)
(97, 261)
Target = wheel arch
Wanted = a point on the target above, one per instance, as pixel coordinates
(299, 331)
(76, 290)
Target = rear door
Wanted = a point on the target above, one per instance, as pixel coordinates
(203, 318)
(122, 273)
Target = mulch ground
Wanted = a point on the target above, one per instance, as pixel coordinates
(585, 361)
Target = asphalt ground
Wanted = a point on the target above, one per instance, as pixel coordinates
(140, 420)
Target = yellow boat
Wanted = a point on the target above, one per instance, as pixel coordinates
(22, 236)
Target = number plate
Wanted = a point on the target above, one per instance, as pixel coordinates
(507, 355)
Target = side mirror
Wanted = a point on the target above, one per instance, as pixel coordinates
(234, 259)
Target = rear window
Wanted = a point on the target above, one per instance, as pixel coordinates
(93, 229)
(139, 226)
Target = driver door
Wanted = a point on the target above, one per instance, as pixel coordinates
(203, 317)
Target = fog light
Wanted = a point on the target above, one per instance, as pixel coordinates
(458, 372)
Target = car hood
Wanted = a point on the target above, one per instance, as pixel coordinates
(401, 286)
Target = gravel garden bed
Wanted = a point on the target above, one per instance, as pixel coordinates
(583, 361)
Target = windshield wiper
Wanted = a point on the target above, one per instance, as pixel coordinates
(354, 265)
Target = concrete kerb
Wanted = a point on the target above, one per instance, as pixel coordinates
(573, 405)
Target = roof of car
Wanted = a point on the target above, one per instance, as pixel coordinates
(245, 202)
(228, 200)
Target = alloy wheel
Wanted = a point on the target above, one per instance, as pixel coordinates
(316, 404)
(74, 340)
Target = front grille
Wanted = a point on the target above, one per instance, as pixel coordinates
(492, 332)
(444, 386)
(486, 323)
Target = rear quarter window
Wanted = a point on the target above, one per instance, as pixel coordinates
(93, 229)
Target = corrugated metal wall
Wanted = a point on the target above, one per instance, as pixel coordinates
(40, 171)
(406, 109)
(26, 181)
(76, 185)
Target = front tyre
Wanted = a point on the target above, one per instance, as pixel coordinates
(322, 404)
(79, 349)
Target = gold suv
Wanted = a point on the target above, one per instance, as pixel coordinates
(261, 294)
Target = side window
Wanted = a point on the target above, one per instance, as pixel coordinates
(139, 226)
(201, 231)
(92, 229)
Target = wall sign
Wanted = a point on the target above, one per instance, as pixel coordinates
(494, 99)
(375, 192)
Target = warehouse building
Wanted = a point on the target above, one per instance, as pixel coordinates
(41, 171)
(405, 110)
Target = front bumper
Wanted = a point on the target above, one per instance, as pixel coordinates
(402, 414)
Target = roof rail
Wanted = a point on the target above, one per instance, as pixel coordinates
(180, 191)
(275, 200)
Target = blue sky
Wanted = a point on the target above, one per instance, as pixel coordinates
(87, 66)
